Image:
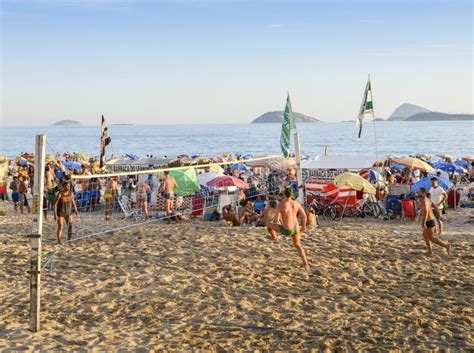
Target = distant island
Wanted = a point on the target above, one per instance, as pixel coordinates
(67, 123)
(122, 124)
(412, 112)
(277, 117)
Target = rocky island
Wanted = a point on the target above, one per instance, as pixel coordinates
(277, 117)
(67, 123)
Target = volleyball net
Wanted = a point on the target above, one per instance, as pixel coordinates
(94, 205)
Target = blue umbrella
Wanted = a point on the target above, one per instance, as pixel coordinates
(132, 156)
(247, 156)
(23, 163)
(426, 183)
(240, 166)
(397, 166)
(448, 167)
(72, 165)
(462, 163)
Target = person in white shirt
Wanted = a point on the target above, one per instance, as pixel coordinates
(438, 197)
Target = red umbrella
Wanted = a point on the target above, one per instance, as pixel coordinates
(225, 181)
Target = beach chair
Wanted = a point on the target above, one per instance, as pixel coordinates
(394, 206)
(409, 210)
(124, 203)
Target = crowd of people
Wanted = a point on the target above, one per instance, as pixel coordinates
(269, 201)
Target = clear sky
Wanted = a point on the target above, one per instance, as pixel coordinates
(204, 61)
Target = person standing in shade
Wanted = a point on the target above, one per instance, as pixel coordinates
(438, 196)
(167, 191)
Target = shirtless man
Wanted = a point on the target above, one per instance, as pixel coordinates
(15, 187)
(289, 210)
(143, 190)
(167, 191)
(111, 192)
(428, 224)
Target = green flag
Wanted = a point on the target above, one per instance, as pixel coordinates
(366, 108)
(287, 124)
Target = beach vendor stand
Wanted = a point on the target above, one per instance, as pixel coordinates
(325, 168)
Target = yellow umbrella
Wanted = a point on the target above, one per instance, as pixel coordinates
(354, 181)
(50, 158)
(81, 156)
(216, 169)
(414, 163)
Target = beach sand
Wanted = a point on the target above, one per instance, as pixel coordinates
(201, 285)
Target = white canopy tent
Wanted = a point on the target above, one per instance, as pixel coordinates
(325, 168)
(354, 163)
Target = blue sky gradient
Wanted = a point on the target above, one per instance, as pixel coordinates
(230, 61)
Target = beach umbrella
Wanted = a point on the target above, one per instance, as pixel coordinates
(186, 181)
(247, 156)
(204, 178)
(470, 159)
(414, 163)
(81, 156)
(216, 169)
(439, 174)
(24, 163)
(462, 163)
(132, 156)
(354, 181)
(239, 166)
(72, 165)
(445, 156)
(225, 181)
(426, 183)
(448, 167)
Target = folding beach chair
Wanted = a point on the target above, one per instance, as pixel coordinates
(124, 203)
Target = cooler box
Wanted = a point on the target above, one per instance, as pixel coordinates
(198, 205)
(451, 198)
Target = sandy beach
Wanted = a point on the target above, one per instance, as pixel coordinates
(202, 285)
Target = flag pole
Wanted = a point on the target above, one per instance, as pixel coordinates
(373, 120)
(299, 170)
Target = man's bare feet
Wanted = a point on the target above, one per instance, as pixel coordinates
(449, 250)
(429, 253)
(271, 238)
(306, 267)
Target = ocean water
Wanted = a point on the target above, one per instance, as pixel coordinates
(393, 138)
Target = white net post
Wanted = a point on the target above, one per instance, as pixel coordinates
(35, 237)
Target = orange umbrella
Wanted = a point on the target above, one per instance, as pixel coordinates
(414, 163)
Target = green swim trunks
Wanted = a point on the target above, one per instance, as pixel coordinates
(286, 232)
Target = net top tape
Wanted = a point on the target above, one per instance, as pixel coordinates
(160, 170)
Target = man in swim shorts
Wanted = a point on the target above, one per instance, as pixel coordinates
(15, 187)
(428, 224)
(289, 210)
(167, 191)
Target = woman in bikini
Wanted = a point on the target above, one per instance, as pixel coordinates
(63, 203)
(428, 224)
(142, 197)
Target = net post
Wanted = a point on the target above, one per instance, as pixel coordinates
(35, 238)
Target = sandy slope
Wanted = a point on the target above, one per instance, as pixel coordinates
(201, 285)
